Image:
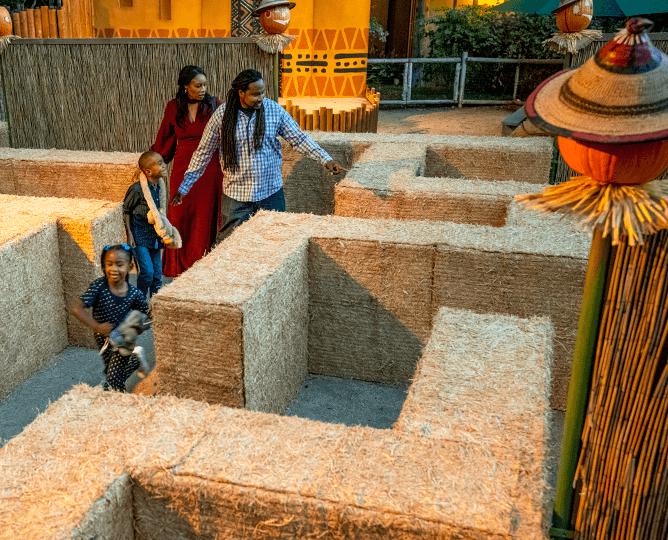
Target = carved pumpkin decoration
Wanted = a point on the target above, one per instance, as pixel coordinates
(275, 20)
(5, 22)
(635, 163)
(575, 16)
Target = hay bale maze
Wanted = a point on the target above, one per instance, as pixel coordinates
(116, 466)
(66, 173)
(50, 253)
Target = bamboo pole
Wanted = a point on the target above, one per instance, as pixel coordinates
(16, 22)
(585, 346)
(37, 17)
(31, 23)
(53, 23)
(330, 120)
(322, 121)
(45, 22)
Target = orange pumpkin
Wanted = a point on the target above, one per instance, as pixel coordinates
(5, 22)
(575, 17)
(635, 163)
(275, 20)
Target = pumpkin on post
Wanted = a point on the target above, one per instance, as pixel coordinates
(573, 18)
(274, 19)
(6, 27)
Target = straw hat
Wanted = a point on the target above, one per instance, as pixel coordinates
(266, 4)
(620, 95)
(564, 4)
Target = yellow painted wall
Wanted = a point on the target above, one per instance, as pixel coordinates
(203, 18)
(328, 58)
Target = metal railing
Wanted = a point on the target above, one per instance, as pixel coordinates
(459, 78)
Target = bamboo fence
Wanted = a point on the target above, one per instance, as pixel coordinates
(73, 20)
(363, 119)
(94, 94)
(623, 467)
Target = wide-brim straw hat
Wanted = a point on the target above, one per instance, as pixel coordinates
(620, 95)
(564, 4)
(266, 4)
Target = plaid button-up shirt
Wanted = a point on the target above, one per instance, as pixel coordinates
(259, 173)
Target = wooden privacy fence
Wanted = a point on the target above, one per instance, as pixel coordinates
(110, 94)
(73, 20)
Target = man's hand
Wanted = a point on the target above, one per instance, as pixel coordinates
(177, 199)
(333, 167)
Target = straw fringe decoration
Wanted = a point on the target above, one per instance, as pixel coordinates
(273, 43)
(632, 211)
(572, 42)
(5, 41)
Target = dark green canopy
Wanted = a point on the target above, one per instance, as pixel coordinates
(602, 8)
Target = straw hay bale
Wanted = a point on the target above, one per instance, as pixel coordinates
(308, 186)
(64, 476)
(483, 378)
(236, 316)
(408, 197)
(524, 285)
(66, 173)
(84, 228)
(32, 311)
(369, 307)
(263, 476)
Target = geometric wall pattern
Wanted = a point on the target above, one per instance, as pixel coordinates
(327, 63)
(243, 25)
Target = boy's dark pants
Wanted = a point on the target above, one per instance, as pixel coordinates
(150, 269)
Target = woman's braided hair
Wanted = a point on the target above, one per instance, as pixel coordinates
(229, 125)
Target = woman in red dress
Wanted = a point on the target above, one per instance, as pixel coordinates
(197, 218)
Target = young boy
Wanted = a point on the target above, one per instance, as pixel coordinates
(146, 243)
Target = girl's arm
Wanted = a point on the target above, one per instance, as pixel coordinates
(101, 328)
(128, 232)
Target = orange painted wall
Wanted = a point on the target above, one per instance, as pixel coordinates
(328, 59)
(203, 18)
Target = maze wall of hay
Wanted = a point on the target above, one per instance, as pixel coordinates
(428, 275)
(50, 250)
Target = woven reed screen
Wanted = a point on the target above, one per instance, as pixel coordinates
(623, 471)
(660, 41)
(110, 94)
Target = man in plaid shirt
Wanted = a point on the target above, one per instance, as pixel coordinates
(245, 131)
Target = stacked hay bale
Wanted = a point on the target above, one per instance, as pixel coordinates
(32, 310)
(373, 288)
(66, 173)
(460, 179)
(104, 465)
(84, 227)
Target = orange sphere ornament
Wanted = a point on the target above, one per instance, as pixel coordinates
(5, 22)
(574, 15)
(275, 20)
(635, 163)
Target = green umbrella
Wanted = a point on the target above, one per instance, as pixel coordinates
(602, 8)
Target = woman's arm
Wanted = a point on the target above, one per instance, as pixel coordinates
(165, 139)
(78, 310)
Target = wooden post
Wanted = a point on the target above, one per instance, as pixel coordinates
(353, 121)
(309, 122)
(23, 18)
(358, 126)
(336, 121)
(302, 119)
(288, 106)
(349, 118)
(295, 113)
(45, 21)
(31, 23)
(16, 21)
(364, 118)
(62, 24)
(316, 120)
(323, 119)
(53, 23)
(330, 119)
(37, 16)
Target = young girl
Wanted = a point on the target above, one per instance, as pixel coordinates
(112, 298)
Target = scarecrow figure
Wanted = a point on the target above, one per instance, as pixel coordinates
(274, 18)
(573, 18)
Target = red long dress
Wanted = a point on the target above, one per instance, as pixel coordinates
(197, 217)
